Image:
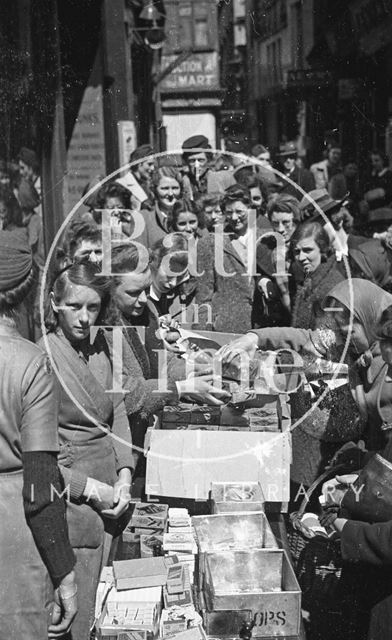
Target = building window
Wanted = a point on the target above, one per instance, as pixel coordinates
(274, 63)
(201, 34)
(190, 24)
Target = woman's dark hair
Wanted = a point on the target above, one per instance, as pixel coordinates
(181, 206)
(235, 193)
(384, 326)
(127, 259)
(312, 230)
(208, 200)
(86, 274)
(75, 234)
(112, 190)
(14, 215)
(11, 299)
(284, 204)
(382, 155)
(175, 245)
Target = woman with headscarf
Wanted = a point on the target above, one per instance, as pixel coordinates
(363, 353)
(362, 545)
(35, 552)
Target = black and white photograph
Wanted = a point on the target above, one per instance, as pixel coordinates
(196, 319)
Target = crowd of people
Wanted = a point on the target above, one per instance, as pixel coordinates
(201, 242)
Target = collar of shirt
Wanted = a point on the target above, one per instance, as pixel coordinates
(154, 295)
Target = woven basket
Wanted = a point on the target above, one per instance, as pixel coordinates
(317, 560)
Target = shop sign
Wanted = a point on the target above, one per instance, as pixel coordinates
(200, 71)
(300, 78)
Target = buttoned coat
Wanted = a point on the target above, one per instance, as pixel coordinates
(225, 299)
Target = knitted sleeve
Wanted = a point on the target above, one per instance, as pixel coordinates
(44, 507)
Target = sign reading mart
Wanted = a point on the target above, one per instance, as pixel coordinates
(198, 71)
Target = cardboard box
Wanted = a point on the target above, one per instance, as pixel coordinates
(129, 623)
(149, 515)
(168, 627)
(133, 596)
(230, 497)
(175, 579)
(182, 599)
(179, 516)
(205, 414)
(179, 413)
(174, 425)
(183, 464)
(194, 633)
(178, 619)
(136, 574)
(179, 542)
(148, 544)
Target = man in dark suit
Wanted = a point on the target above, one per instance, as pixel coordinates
(288, 155)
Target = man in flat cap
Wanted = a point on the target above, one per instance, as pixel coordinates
(138, 179)
(202, 178)
(288, 155)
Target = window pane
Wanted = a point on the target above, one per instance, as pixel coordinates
(185, 31)
(201, 33)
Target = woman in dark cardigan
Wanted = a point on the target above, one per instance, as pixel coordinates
(310, 248)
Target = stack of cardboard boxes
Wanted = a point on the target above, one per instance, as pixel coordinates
(146, 527)
(257, 413)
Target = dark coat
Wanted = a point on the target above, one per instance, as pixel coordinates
(272, 312)
(308, 299)
(368, 259)
(229, 298)
(155, 227)
(304, 179)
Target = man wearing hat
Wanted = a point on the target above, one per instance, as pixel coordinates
(367, 258)
(202, 178)
(288, 154)
(138, 179)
